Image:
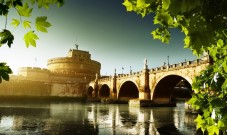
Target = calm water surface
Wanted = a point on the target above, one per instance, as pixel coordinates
(90, 119)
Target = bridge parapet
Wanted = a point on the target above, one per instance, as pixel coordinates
(106, 78)
(129, 75)
(180, 65)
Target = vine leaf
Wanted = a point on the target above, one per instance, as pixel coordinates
(24, 10)
(166, 4)
(6, 37)
(17, 2)
(128, 5)
(4, 9)
(4, 72)
(42, 24)
(26, 24)
(15, 22)
(30, 38)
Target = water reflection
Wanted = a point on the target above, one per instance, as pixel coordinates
(94, 119)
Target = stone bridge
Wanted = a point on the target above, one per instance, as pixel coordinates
(155, 84)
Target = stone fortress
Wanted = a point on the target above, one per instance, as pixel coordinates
(64, 77)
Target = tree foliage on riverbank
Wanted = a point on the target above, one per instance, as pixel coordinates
(204, 24)
(24, 12)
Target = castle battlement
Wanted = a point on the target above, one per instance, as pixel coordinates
(71, 60)
(33, 69)
(33, 73)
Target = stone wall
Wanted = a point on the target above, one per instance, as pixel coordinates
(68, 90)
(24, 88)
(65, 64)
(34, 73)
(62, 87)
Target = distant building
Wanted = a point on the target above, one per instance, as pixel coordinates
(64, 76)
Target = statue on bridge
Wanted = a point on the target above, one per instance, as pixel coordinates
(145, 64)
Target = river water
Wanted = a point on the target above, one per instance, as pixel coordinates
(91, 119)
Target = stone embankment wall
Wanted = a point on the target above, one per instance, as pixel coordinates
(23, 86)
(68, 90)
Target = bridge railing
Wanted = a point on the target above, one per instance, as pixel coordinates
(180, 65)
(130, 74)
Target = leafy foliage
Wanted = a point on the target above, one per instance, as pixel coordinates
(24, 9)
(204, 24)
(194, 18)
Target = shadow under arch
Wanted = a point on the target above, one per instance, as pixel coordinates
(172, 87)
(104, 91)
(89, 91)
(128, 91)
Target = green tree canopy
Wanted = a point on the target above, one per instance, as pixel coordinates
(204, 24)
(24, 10)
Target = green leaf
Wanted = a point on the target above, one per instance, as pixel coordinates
(30, 38)
(46, 3)
(26, 24)
(15, 22)
(224, 85)
(164, 18)
(24, 10)
(166, 4)
(60, 3)
(192, 100)
(128, 5)
(220, 43)
(6, 37)
(17, 2)
(3, 9)
(221, 124)
(216, 102)
(41, 24)
(213, 130)
(200, 122)
(206, 113)
(4, 72)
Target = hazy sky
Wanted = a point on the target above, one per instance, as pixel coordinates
(113, 37)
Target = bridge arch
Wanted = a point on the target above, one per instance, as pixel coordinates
(90, 91)
(104, 91)
(165, 89)
(128, 90)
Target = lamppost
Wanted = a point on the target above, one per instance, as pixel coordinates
(168, 60)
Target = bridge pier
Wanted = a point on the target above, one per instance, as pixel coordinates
(144, 95)
(113, 95)
(113, 92)
(144, 91)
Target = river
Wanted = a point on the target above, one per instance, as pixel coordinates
(91, 119)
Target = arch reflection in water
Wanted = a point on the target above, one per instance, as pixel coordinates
(96, 119)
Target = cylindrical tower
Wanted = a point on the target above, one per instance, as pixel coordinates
(77, 64)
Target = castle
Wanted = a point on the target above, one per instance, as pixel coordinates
(64, 77)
